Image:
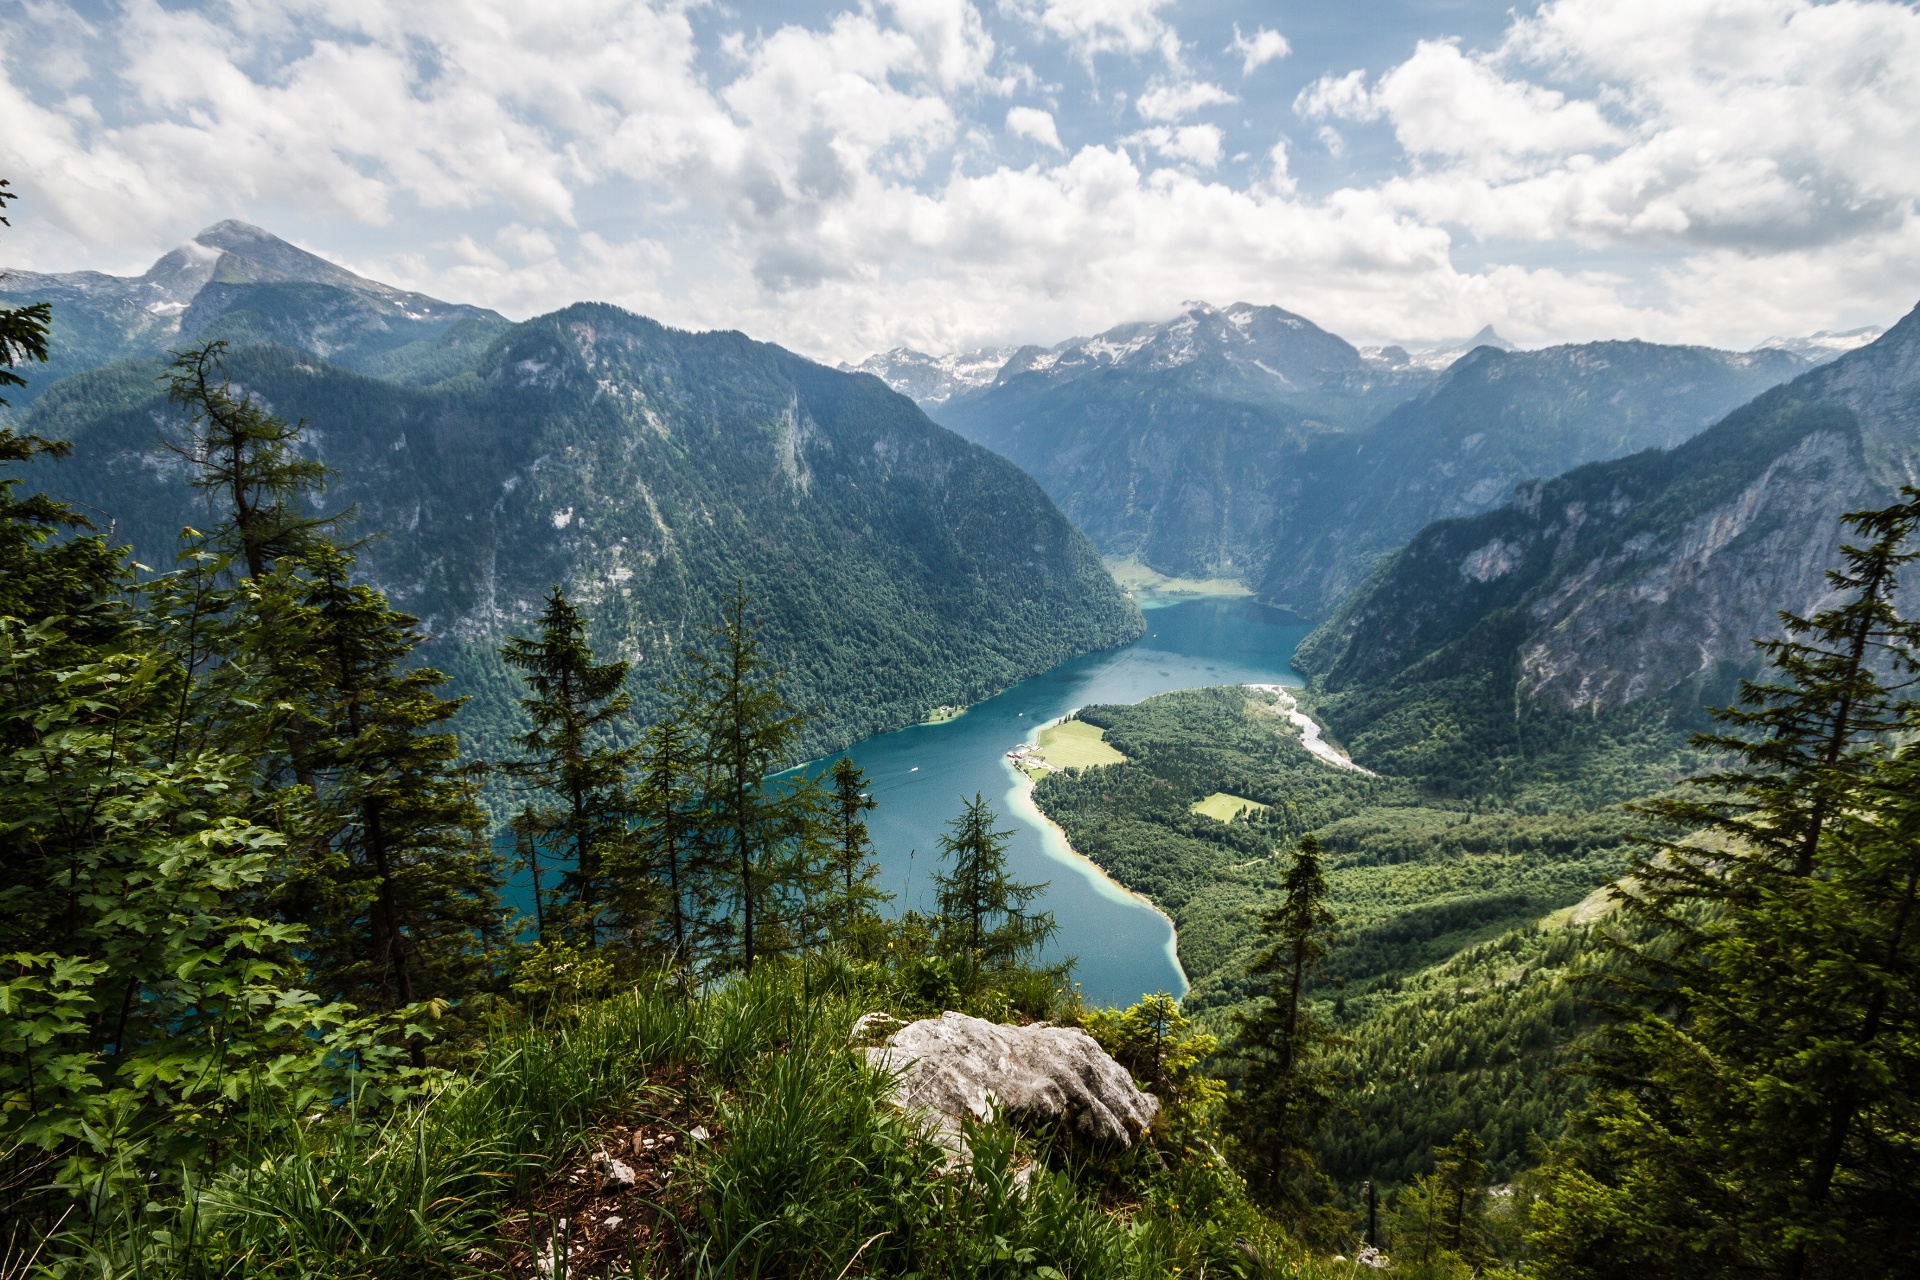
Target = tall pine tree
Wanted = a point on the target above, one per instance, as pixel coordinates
(764, 833)
(984, 924)
(246, 459)
(1757, 1099)
(574, 704)
(660, 884)
(1285, 1093)
(404, 897)
(234, 635)
(854, 917)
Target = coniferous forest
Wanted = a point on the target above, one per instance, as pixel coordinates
(273, 1003)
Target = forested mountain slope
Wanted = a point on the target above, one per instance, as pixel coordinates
(1623, 592)
(235, 281)
(1453, 922)
(1248, 443)
(896, 566)
(1494, 419)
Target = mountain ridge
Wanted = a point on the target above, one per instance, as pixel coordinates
(238, 282)
(1624, 589)
(1248, 443)
(896, 566)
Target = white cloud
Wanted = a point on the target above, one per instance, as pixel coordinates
(955, 47)
(1091, 27)
(1343, 97)
(1174, 101)
(1760, 126)
(1443, 103)
(1031, 122)
(1747, 166)
(1199, 145)
(1258, 49)
(1280, 176)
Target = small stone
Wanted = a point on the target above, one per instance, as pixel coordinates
(613, 1222)
(615, 1175)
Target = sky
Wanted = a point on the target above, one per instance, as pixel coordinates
(848, 176)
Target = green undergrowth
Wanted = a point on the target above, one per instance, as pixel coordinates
(788, 1159)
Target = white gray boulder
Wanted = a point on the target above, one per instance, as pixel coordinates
(955, 1066)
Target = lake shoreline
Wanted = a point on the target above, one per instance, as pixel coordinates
(920, 776)
(1054, 843)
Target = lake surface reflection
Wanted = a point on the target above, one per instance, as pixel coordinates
(920, 776)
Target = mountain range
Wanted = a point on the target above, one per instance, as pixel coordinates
(1492, 420)
(895, 566)
(644, 467)
(1627, 590)
(1249, 443)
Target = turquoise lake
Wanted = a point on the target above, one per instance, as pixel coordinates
(920, 776)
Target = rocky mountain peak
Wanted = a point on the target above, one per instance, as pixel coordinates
(246, 254)
(244, 285)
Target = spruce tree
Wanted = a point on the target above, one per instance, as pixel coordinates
(658, 886)
(1285, 1093)
(408, 887)
(763, 833)
(851, 864)
(237, 637)
(1442, 1217)
(247, 461)
(1460, 1177)
(1757, 1095)
(983, 922)
(574, 704)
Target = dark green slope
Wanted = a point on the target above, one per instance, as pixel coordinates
(1494, 419)
(1598, 610)
(896, 566)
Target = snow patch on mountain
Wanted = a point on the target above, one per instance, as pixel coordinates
(1826, 344)
(931, 379)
